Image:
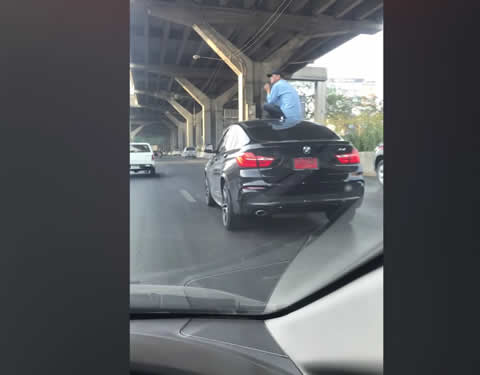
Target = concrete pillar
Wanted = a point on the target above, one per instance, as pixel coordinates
(188, 120)
(173, 138)
(180, 138)
(320, 101)
(241, 64)
(181, 126)
(251, 75)
(133, 133)
(255, 95)
(197, 123)
(259, 93)
(204, 130)
(218, 105)
(219, 123)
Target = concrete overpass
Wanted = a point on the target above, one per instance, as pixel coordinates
(235, 42)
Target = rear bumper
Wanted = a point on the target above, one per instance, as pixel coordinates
(251, 201)
(141, 167)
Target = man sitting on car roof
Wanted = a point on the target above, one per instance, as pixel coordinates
(282, 98)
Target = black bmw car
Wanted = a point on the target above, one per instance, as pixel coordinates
(264, 167)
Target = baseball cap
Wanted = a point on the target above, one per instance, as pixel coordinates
(274, 72)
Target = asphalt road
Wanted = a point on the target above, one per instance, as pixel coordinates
(176, 239)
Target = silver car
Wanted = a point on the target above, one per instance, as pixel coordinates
(189, 152)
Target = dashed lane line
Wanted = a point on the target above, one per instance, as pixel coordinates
(187, 196)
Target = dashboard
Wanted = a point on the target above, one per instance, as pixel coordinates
(340, 333)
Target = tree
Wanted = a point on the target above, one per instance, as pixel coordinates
(306, 92)
(339, 105)
(359, 119)
(367, 131)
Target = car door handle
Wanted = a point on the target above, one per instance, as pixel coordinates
(225, 156)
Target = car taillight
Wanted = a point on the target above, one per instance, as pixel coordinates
(250, 160)
(352, 158)
(153, 157)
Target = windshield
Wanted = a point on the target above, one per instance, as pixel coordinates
(267, 188)
(274, 131)
(139, 148)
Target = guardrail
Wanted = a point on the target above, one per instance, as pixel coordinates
(367, 159)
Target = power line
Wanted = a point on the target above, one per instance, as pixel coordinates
(274, 17)
(254, 40)
(213, 75)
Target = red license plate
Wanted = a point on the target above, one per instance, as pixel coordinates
(305, 163)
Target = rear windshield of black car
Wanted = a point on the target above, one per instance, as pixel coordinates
(301, 132)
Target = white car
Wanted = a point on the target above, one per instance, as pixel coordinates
(208, 152)
(189, 152)
(142, 158)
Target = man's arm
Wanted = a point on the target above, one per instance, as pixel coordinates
(267, 88)
(272, 94)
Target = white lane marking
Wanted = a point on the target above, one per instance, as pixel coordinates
(187, 196)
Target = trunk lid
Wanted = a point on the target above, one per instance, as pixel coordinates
(323, 170)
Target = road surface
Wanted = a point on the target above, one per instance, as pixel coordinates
(176, 239)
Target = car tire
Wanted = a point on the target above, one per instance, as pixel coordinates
(230, 220)
(152, 171)
(208, 196)
(347, 212)
(379, 171)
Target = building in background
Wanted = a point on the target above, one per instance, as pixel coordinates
(353, 86)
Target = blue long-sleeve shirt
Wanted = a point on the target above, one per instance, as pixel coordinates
(286, 97)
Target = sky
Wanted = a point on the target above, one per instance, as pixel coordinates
(360, 57)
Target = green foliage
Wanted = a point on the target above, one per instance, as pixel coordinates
(359, 119)
(339, 106)
(367, 132)
(306, 92)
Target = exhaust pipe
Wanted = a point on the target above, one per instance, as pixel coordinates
(260, 213)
